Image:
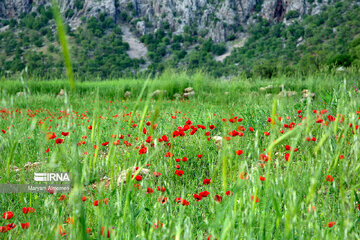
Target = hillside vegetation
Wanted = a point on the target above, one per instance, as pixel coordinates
(302, 45)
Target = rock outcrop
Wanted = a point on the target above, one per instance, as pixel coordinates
(217, 20)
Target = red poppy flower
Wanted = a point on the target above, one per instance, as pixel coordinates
(239, 152)
(329, 178)
(211, 127)
(184, 202)
(162, 200)
(200, 156)
(88, 230)
(341, 157)
(287, 147)
(3, 131)
(184, 159)
(197, 197)
(25, 225)
(331, 224)
(105, 143)
(96, 203)
(90, 127)
(62, 198)
(161, 189)
(8, 215)
(108, 232)
(70, 220)
(204, 193)
(244, 176)
(206, 181)
(262, 178)
(228, 193)
(179, 172)
(84, 199)
(313, 139)
(257, 198)
(218, 198)
(287, 156)
(65, 134)
(47, 150)
(10, 226)
(59, 141)
(134, 125)
(50, 136)
(251, 129)
(157, 174)
(106, 201)
(158, 225)
(149, 190)
(138, 178)
(27, 210)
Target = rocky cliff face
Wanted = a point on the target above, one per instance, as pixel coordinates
(216, 19)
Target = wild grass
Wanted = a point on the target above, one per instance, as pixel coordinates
(290, 189)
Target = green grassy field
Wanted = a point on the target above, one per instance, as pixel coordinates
(296, 176)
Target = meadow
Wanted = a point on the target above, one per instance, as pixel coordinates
(231, 162)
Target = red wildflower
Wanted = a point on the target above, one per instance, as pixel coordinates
(239, 152)
(331, 224)
(62, 198)
(206, 181)
(287, 156)
(157, 174)
(50, 136)
(184, 159)
(158, 224)
(25, 225)
(161, 189)
(3, 131)
(105, 143)
(211, 127)
(8, 215)
(184, 202)
(149, 190)
(257, 198)
(179, 172)
(84, 199)
(138, 178)
(244, 176)
(287, 147)
(228, 193)
(262, 178)
(329, 178)
(251, 129)
(204, 194)
(96, 203)
(27, 210)
(218, 198)
(200, 156)
(59, 141)
(65, 134)
(197, 197)
(162, 200)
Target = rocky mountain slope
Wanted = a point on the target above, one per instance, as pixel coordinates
(114, 38)
(216, 19)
